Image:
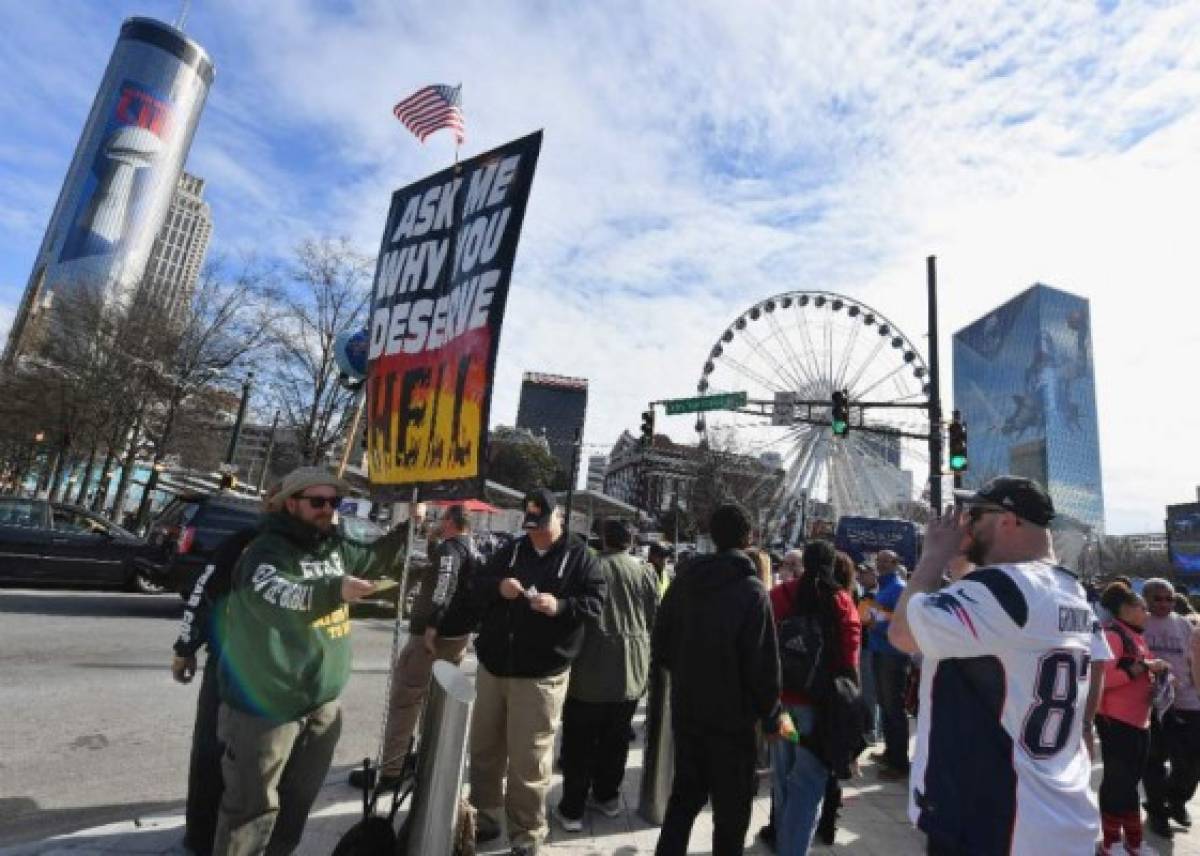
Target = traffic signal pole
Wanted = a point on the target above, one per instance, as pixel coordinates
(935, 394)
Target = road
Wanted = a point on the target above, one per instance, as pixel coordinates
(96, 731)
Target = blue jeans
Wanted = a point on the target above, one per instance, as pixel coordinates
(798, 786)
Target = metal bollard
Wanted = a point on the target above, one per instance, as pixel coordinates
(441, 759)
(658, 764)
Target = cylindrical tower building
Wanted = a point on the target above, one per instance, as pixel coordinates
(124, 171)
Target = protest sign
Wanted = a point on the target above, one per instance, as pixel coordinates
(438, 301)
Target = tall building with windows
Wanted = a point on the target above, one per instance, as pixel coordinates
(1024, 382)
(597, 467)
(179, 248)
(554, 406)
(120, 182)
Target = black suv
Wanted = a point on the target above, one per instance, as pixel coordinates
(55, 542)
(185, 535)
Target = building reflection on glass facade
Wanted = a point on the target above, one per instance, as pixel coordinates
(1023, 380)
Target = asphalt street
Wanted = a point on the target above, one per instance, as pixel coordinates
(96, 731)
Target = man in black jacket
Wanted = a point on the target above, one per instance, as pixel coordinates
(195, 631)
(716, 637)
(533, 597)
(439, 628)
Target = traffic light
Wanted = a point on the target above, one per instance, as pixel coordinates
(840, 414)
(647, 438)
(958, 443)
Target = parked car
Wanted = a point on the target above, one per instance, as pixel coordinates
(55, 542)
(187, 532)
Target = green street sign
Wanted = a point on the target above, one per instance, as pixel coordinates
(723, 401)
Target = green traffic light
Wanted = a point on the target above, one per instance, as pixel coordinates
(840, 428)
(958, 463)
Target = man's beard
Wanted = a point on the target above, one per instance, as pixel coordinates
(977, 552)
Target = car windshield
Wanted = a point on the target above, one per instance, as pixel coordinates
(359, 529)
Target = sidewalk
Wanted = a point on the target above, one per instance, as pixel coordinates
(873, 824)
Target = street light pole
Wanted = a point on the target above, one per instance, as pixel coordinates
(262, 476)
(935, 394)
(241, 415)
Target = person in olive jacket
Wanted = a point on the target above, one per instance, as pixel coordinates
(285, 645)
(534, 597)
(607, 679)
(715, 636)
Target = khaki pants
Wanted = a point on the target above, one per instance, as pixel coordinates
(273, 772)
(512, 732)
(410, 684)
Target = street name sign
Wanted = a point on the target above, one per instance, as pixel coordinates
(699, 404)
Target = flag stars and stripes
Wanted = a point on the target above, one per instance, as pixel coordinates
(432, 109)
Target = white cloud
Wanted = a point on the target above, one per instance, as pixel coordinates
(697, 160)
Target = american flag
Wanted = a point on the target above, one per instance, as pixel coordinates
(431, 109)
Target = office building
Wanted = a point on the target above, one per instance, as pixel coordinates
(179, 249)
(597, 466)
(123, 174)
(1024, 383)
(554, 407)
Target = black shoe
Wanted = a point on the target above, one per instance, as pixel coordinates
(767, 836)
(1180, 815)
(1160, 826)
(385, 782)
(524, 850)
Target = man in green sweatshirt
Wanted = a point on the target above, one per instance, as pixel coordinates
(286, 657)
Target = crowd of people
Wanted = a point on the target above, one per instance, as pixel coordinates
(1009, 667)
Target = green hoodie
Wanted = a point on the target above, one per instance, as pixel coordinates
(285, 628)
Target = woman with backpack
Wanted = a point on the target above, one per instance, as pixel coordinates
(819, 636)
(1123, 718)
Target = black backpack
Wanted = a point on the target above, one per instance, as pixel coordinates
(804, 652)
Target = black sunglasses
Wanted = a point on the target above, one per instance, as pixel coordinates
(321, 501)
(976, 512)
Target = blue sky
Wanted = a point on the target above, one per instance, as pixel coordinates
(700, 158)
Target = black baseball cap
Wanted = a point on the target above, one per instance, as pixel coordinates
(1023, 497)
(539, 508)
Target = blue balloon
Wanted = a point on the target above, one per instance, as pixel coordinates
(350, 351)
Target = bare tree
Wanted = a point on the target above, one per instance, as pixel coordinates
(327, 295)
(220, 331)
(725, 473)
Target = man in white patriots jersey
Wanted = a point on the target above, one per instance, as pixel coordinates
(1007, 682)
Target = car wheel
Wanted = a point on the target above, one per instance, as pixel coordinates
(140, 582)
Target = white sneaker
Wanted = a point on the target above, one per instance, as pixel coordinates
(567, 823)
(611, 808)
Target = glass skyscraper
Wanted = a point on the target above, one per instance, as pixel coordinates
(1024, 383)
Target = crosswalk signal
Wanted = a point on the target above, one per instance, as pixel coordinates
(647, 438)
(958, 443)
(840, 414)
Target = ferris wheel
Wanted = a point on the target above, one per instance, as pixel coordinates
(790, 353)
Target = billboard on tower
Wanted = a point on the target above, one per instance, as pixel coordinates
(124, 171)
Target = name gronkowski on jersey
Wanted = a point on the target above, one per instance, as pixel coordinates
(1000, 766)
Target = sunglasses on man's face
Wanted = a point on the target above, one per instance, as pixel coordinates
(319, 502)
(976, 512)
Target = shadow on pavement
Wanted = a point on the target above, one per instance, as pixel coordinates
(70, 602)
(23, 821)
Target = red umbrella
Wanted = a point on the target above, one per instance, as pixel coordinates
(474, 505)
